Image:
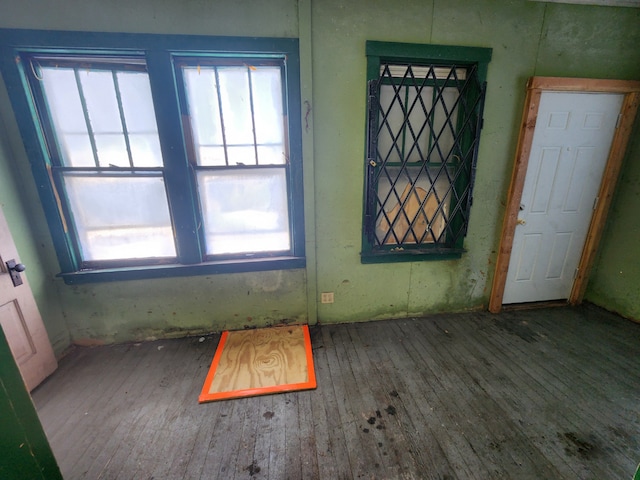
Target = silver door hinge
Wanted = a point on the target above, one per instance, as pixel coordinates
(619, 120)
(595, 202)
(575, 274)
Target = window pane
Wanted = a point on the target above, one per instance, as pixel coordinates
(267, 107)
(211, 156)
(241, 155)
(236, 105)
(76, 150)
(112, 151)
(245, 211)
(204, 111)
(145, 149)
(120, 217)
(100, 95)
(102, 106)
(273, 155)
(65, 107)
(137, 104)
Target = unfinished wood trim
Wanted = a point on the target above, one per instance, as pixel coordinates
(535, 87)
(605, 195)
(562, 84)
(530, 115)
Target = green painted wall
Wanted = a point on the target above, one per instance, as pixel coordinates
(528, 38)
(615, 282)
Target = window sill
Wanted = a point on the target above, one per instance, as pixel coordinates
(411, 256)
(168, 271)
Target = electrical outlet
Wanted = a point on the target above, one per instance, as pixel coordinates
(326, 297)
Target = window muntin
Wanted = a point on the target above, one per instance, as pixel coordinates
(423, 129)
(64, 171)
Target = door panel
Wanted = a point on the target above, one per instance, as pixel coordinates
(569, 152)
(15, 327)
(21, 320)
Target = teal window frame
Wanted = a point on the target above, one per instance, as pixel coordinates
(379, 54)
(160, 52)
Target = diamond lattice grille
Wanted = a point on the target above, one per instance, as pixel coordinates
(424, 141)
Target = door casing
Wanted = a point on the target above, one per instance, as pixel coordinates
(535, 87)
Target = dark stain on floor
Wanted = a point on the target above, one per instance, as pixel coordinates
(518, 328)
(253, 469)
(574, 445)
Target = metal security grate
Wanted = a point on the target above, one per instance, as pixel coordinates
(423, 130)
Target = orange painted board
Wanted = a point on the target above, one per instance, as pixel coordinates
(260, 362)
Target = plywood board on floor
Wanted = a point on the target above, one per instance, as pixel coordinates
(259, 362)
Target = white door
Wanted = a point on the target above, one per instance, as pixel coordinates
(569, 152)
(20, 318)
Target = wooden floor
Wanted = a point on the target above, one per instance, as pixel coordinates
(538, 394)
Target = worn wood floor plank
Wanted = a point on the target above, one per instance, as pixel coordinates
(362, 458)
(112, 399)
(258, 466)
(544, 409)
(576, 343)
(508, 436)
(331, 442)
(183, 424)
(394, 460)
(513, 395)
(308, 447)
(564, 379)
(549, 393)
(141, 460)
(400, 459)
(557, 399)
(429, 458)
(505, 433)
(220, 460)
(413, 384)
(458, 401)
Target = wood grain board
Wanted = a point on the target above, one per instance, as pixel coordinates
(258, 362)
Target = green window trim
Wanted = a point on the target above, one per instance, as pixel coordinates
(424, 118)
(161, 54)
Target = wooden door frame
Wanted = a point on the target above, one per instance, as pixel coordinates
(535, 87)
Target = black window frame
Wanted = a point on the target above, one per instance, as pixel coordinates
(473, 61)
(161, 53)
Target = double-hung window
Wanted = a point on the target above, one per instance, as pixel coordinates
(162, 155)
(424, 118)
